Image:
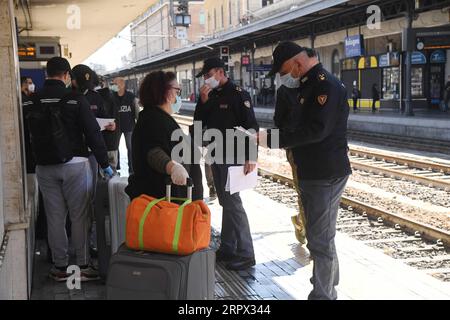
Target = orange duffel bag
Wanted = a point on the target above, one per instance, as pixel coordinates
(158, 225)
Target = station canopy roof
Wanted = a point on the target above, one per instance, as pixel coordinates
(100, 21)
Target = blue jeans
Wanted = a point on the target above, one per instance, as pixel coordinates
(321, 199)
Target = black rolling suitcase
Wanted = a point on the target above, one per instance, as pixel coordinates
(138, 275)
(153, 276)
(102, 218)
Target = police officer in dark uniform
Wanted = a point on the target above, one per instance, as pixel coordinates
(318, 139)
(112, 138)
(224, 105)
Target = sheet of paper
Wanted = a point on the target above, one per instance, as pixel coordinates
(237, 181)
(245, 131)
(104, 123)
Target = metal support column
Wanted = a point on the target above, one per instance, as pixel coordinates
(409, 44)
(252, 77)
(194, 79)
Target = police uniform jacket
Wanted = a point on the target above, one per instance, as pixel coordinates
(287, 101)
(318, 135)
(228, 107)
(112, 138)
(127, 111)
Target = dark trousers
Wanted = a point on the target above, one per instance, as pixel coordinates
(236, 238)
(210, 180)
(374, 105)
(321, 199)
(355, 103)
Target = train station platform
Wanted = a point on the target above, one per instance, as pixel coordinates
(432, 126)
(284, 267)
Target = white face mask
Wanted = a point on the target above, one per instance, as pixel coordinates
(212, 82)
(289, 81)
(114, 88)
(31, 87)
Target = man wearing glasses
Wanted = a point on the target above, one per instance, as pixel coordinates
(224, 105)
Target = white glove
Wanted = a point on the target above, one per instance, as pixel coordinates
(262, 138)
(179, 175)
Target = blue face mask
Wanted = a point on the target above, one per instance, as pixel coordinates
(177, 105)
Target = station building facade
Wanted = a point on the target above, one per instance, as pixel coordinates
(379, 59)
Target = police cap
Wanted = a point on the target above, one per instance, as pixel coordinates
(282, 53)
(84, 76)
(209, 64)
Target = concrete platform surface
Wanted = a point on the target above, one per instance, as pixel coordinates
(283, 266)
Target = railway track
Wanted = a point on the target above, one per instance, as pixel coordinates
(417, 244)
(401, 142)
(427, 173)
(420, 171)
(422, 246)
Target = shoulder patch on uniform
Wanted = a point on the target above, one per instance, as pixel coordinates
(238, 88)
(322, 76)
(322, 99)
(248, 104)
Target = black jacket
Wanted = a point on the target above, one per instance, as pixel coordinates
(228, 107)
(126, 105)
(96, 103)
(112, 138)
(287, 100)
(318, 134)
(82, 129)
(153, 129)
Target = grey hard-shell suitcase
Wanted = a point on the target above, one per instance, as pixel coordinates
(111, 204)
(139, 275)
(118, 204)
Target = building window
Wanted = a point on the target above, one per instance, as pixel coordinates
(215, 20)
(266, 3)
(202, 18)
(335, 64)
(230, 22)
(239, 11)
(222, 17)
(417, 82)
(391, 83)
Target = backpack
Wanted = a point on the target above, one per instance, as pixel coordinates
(49, 139)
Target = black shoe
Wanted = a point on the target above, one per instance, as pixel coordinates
(212, 193)
(93, 252)
(223, 256)
(59, 274)
(241, 263)
(89, 273)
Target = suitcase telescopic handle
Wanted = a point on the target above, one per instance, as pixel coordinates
(190, 186)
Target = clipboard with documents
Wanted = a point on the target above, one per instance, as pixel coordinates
(237, 181)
